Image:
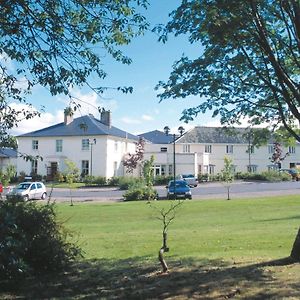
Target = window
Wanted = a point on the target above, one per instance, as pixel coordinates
(85, 144)
(163, 149)
(252, 168)
(35, 145)
(292, 150)
(116, 146)
(207, 149)
(186, 148)
(59, 145)
(34, 166)
(229, 148)
(84, 168)
(271, 149)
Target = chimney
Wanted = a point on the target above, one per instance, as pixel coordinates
(68, 115)
(106, 117)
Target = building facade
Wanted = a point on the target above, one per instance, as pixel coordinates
(95, 146)
(202, 150)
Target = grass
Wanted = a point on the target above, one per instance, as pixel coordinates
(218, 250)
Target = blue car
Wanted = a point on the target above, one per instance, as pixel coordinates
(180, 190)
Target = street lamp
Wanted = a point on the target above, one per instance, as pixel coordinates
(91, 143)
(167, 132)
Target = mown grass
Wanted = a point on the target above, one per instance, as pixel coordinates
(218, 250)
(237, 229)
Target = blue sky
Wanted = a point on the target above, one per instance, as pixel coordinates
(140, 111)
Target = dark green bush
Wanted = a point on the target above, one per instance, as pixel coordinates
(94, 180)
(140, 192)
(32, 241)
(126, 182)
(263, 176)
(113, 181)
(162, 180)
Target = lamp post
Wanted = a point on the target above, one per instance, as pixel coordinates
(91, 143)
(167, 132)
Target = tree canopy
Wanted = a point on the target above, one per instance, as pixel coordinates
(249, 65)
(59, 44)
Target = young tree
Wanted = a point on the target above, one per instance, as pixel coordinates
(249, 64)
(227, 174)
(278, 156)
(58, 45)
(72, 175)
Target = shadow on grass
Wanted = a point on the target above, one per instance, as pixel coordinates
(139, 278)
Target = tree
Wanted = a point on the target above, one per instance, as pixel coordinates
(71, 174)
(131, 160)
(58, 45)
(227, 174)
(249, 65)
(278, 156)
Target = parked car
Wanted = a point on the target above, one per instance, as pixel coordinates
(294, 173)
(190, 179)
(28, 190)
(179, 190)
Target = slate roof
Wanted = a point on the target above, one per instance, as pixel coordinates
(157, 137)
(215, 135)
(8, 153)
(85, 125)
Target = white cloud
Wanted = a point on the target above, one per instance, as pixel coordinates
(36, 123)
(147, 118)
(127, 120)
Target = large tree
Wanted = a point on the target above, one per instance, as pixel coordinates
(249, 62)
(59, 44)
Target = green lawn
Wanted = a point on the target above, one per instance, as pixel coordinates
(235, 229)
(219, 249)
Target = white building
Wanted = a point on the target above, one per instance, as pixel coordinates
(201, 150)
(96, 147)
(8, 156)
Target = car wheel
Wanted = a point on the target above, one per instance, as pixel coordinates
(26, 198)
(44, 196)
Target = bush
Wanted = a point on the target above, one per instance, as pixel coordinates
(113, 181)
(140, 192)
(94, 180)
(264, 176)
(126, 182)
(162, 180)
(32, 241)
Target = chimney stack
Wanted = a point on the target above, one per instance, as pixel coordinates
(68, 115)
(106, 117)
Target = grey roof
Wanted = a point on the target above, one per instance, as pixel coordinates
(85, 125)
(157, 137)
(8, 153)
(215, 135)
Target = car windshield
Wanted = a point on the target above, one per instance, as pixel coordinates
(178, 184)
(188, 176)
(23, 186)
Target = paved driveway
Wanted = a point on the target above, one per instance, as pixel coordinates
(238, 189)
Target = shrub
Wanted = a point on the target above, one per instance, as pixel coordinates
(32, 241)
(126, 182)
(94, 180)
(162, 180)
(140, 192)
(113, 181)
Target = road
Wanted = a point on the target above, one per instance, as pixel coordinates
(208, 190)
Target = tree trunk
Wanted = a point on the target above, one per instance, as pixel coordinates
(295, 254)
(162, 260)
(161, 252)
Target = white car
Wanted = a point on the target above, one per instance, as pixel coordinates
(190, 179)
(29, 190)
